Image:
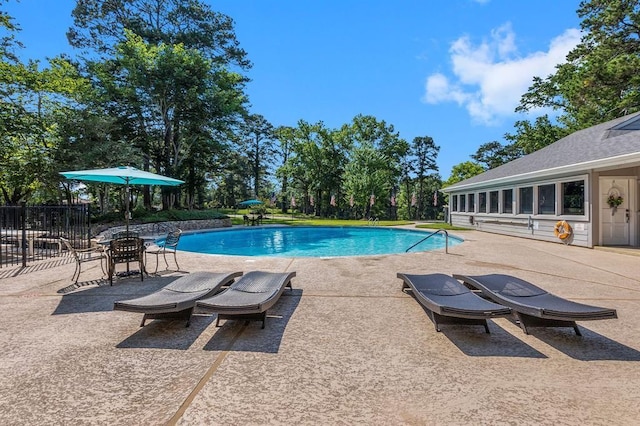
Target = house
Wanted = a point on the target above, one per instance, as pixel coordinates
(589, 179)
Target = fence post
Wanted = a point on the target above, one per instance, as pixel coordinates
(87, 211)
(23, 226)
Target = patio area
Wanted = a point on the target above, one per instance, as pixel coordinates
(346, 346)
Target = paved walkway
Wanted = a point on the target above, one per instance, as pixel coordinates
(347, 346)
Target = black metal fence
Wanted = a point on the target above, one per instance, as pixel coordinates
(32, 233)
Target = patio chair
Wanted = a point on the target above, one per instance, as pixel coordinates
(125, 250)
(449, 302)
(168, 245)
(177, 299)
(249, 298)
(246, 219)
(533, 306)
(85, 255)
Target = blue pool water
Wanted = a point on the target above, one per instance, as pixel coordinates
(311, 241)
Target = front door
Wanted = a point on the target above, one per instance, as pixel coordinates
(614, 219)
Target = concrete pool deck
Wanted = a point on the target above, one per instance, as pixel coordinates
(347, 346)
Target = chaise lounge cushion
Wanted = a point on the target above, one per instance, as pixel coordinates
(249, 297)
(532, 305)
(443, 296)
(178, 296)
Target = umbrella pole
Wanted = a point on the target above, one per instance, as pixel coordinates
(126, 217)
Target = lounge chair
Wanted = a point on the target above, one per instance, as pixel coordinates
(449, 302)
(249, 298)
(533, 306)
(177, 299)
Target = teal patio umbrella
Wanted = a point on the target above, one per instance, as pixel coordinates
(123, 175)
(250, 202)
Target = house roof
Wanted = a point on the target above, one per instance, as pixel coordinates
(613, 143)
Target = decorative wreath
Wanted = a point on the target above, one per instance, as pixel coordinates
(614, 198)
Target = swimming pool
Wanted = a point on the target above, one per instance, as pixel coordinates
(313, 241)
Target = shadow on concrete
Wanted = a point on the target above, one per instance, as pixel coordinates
(167, 334)
(474, 341)
(591, 346)
(99, 296)
(252, 337)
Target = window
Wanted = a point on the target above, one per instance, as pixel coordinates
(462, 203)
(526, 200)
(507, 201)
(573, 197)
(472, 203)
(454, 203)
(547, 199)
(482, 202)
(493, 202)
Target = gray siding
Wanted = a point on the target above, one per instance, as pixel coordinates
(541, 229)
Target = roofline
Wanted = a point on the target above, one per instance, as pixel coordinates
(572, 168)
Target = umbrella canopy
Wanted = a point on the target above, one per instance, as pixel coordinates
(250, 202)
(123, 175)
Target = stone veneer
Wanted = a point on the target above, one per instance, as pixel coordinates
(161, 228)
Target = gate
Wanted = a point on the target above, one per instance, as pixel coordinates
(32, 233)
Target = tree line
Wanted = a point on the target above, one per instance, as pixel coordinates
(161, 85)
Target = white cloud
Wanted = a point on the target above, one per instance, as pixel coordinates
(488, 79)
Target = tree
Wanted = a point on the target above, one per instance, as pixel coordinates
(367, 175)
(494, 154)
(286, 137)
(30, 101)
(99, 26)
(171, 100)
(425, 153)
(163, 67)
(463, 171)
(532, 137)
(257, 143)
(599, 81)
(369, 133)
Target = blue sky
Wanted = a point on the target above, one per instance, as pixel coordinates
(453, 70)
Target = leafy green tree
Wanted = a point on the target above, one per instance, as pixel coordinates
(31, 99)
(99, 27)
(316, 165)
(529, 138)
(463, 171)
(286, 138)
(599, 81)
(367, 175)
(424, 152)
(163, 68)
(494, 154)
(366, 133)
(172, 100)
(257, 141)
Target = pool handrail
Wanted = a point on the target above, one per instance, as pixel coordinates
(374, 221)
(446, 239)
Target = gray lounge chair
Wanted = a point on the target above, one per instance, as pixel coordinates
(533, 306)
(177, 299)
(449, 302)
(249, 298)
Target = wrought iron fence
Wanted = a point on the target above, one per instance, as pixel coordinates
(32, 233)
